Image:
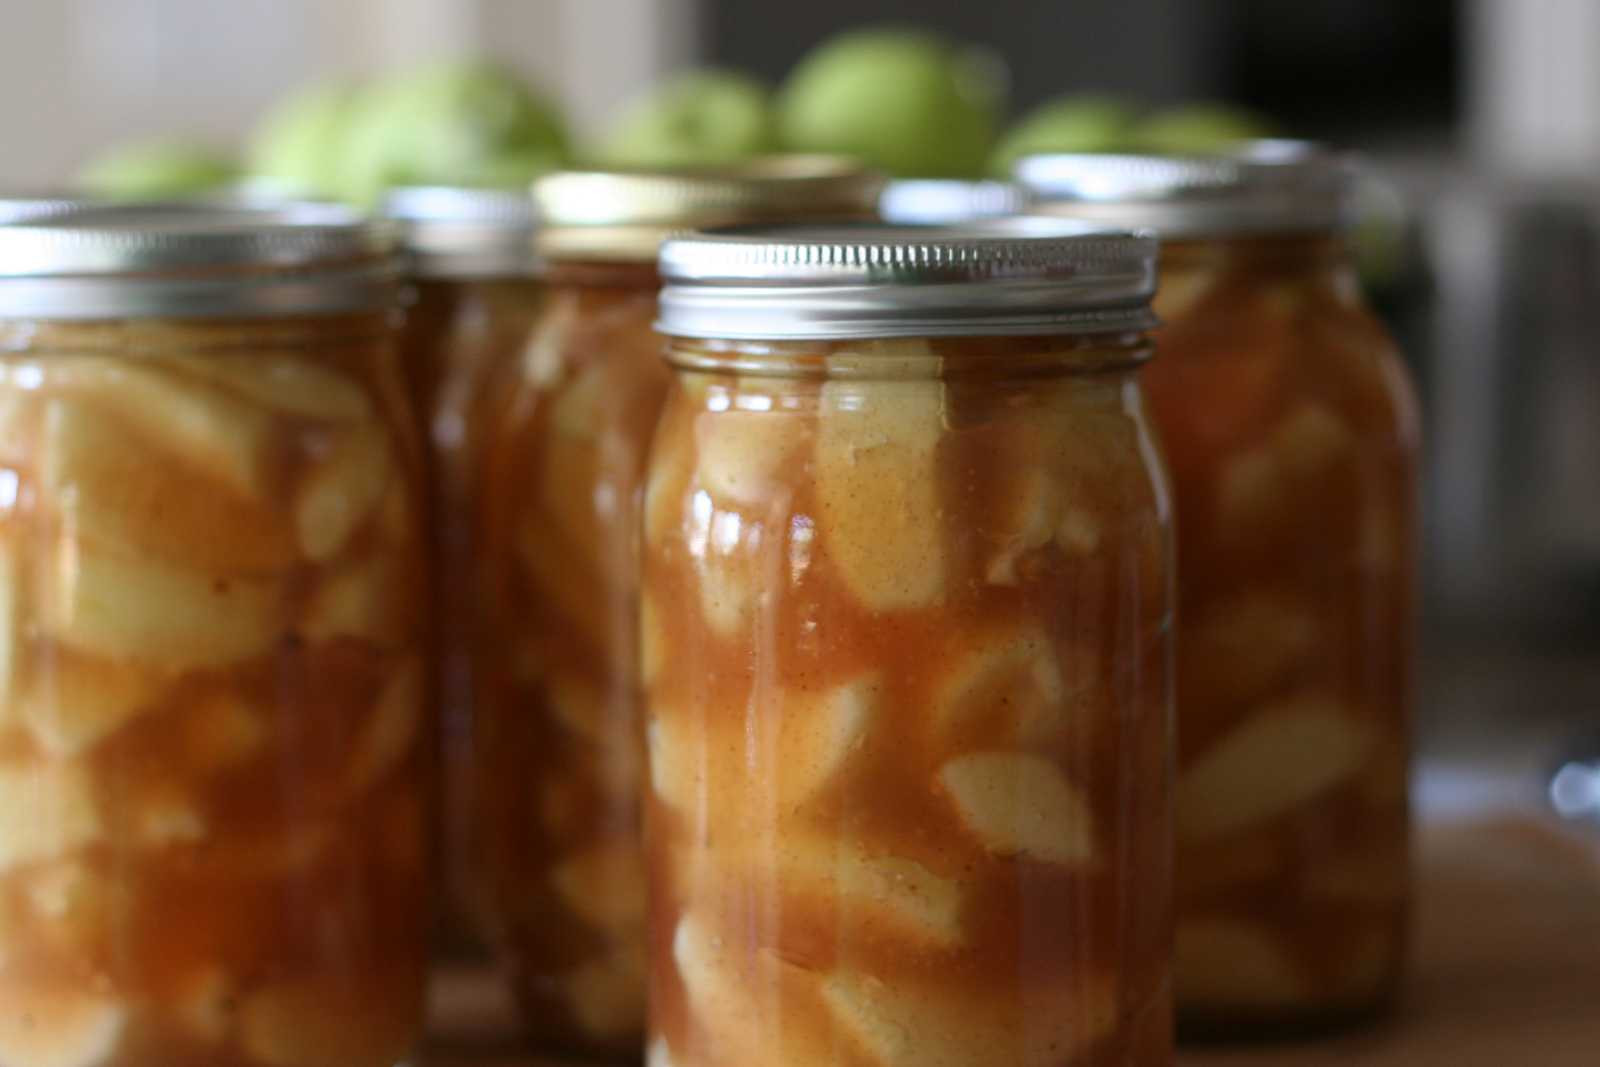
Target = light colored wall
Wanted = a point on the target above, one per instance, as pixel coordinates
(78, 74)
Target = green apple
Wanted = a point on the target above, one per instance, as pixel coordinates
(1079, 123)
(157, 170)
(300, 142)
(699, 117)
(450, 123)
(908, 102)
(1199, 129)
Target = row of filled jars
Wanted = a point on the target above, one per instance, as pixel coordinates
(794, 647)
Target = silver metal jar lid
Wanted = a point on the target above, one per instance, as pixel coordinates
(1265, 187)
(197, 261)
(460, 232)
(1005, 276)
(22, 206)
(944, 201)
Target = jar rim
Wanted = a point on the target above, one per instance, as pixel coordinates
(1012, 276)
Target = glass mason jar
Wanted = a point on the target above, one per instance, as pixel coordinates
(1291, 431)
(475, 297)
(212, 842)
(566, 436)
(905, 632)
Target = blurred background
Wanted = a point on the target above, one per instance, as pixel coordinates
(1481, 243)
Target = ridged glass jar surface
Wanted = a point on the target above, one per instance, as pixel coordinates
(461, 335)
(557, 760)
(212, 675)
(1290, 428)
(905, 636)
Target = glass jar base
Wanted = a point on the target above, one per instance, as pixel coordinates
(1266, 1026)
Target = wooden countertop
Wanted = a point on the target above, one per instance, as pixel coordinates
(1507, 970)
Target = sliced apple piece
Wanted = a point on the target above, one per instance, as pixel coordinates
(958, 1025)
(727, 593)
(166, 616)
(164, 814)
(287, 385)
(675, 771)
(1238, 649)
(1013, 676)
(110, 488)
(45, 1027)
(1030, 515)
(1020, 804)
(817, 732)
(221, 731)
(10, 631)
(327, 1022)
(1280, 758)
(743, 454)
(367, 601)
(230, 441)
(604, 884)
(871, 893)
(878, 491)
(342, 491)
(390, 733)
(1235, 963)
(652, 639)
(1311, 439)
(47, 810)
(607, 993)
(750, 1005)
(659, 1054)
(72, 702)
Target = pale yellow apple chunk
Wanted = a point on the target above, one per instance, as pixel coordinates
(1238, 649)
(1233, 962)
(341, 492)
(606, 993)
(869, 893)
(366, 600)
(652, 640)
(10, 630)
(675, 773)
(604, 884)
(107, 488)
(162, 615)
(230, 441)
(1256, 486)
(390, 733)
(727, 591)
(745, 454)
(47, 810)
(55, 1027)
(956, 1025)
(1020, 804)
(325, 1022)
(72, 702)
(749, 1004)
(1283, 756)
(818, 732)
(1013, 677)
(283, 384)
(878, 491)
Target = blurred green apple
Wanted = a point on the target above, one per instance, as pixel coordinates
(299, 143)
(450, 123)
(1199, 129)
(699, 117)
(157, 170)
(908, 102)
(1079, 123)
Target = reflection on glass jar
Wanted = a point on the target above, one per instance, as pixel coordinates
(475, 298)
(1290, 428)
(905, 633)
(212, 839)
(566, 434)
